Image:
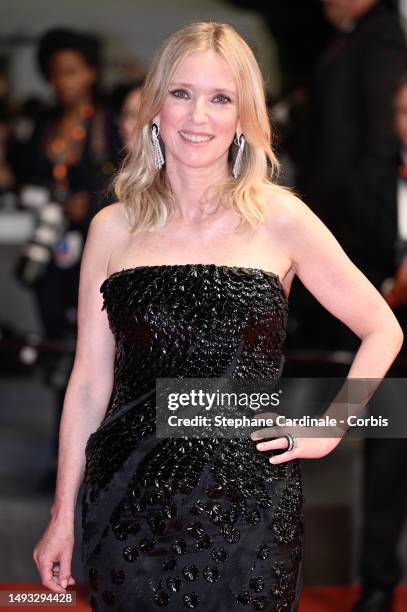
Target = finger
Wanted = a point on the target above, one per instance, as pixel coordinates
(283, 457)
(65, 571)
(265, 415)
(51, 575)
(71, 581)
(272, 444)
(266, 432)
(47, 579)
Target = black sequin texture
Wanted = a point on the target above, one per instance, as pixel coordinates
(174, 583)
(176, 523)
(130, 553)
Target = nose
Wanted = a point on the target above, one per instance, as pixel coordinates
(199, 110)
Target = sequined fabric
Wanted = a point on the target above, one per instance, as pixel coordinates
(179, 524)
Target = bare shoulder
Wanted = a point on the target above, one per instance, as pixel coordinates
(111, 221)
(287, 217)
(286, 210)
(296, 227)
(108, 229)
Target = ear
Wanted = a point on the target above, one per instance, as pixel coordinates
(238, 128)
(156, 120)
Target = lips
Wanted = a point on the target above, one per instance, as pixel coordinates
(195, 137)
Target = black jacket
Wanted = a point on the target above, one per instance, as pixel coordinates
(347, 175)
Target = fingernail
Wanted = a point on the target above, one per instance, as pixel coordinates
(271, 460)
(259, 445)
(64, 583)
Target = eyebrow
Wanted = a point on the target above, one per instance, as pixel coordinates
(214, 90)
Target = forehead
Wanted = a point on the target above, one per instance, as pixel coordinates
(205, 69)
(338, 3)
(66, 57)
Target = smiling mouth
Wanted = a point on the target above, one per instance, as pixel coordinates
(195, 137)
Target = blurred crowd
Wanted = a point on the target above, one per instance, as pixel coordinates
(342, 138)
(341, 135)
(57, 162)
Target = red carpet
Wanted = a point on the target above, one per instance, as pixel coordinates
(314, 599)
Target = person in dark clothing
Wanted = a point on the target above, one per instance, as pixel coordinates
(385, 460)
(349, 145)
(72, 153)
(348, 175)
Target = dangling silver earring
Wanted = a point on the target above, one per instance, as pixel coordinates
(237, 166)
(158, 157)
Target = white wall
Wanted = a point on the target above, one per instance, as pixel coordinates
(130, 28)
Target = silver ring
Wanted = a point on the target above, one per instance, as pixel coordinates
(292, 441)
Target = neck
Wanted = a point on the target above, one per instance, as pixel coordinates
(189, 186)
(75, 108)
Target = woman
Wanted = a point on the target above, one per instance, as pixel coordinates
(195, 265)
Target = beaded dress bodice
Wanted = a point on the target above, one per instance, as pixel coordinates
(189, 320)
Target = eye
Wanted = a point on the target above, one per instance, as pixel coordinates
(179, 93)
(222, 99)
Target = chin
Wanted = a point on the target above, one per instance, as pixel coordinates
(197, 165)
(332, 16)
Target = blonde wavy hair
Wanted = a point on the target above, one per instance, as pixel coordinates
(145, 191)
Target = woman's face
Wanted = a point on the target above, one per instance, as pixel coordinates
(129, 116)
(71, 77)
(200, 117)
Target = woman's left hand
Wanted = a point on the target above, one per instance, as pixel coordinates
(306, 447)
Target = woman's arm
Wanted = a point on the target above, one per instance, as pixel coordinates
(86, 399)
(90, 384)
(328, 273)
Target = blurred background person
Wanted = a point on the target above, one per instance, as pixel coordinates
(347, 171)
(347, 146)
(71, 154)
(394, 289)
(385, 460)
(129, 112)
(8, 198)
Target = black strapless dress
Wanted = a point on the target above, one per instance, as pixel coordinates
(206, 524)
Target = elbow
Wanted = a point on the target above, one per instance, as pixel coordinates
(396, 335)
(391, 334)
(400, 337)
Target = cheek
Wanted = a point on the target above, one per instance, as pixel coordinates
(401, 124)
(227, 123)
(224, 126)
(77, 81)
(170, 123)
(171, 116)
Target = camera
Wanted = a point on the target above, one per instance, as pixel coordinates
(50, 226)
